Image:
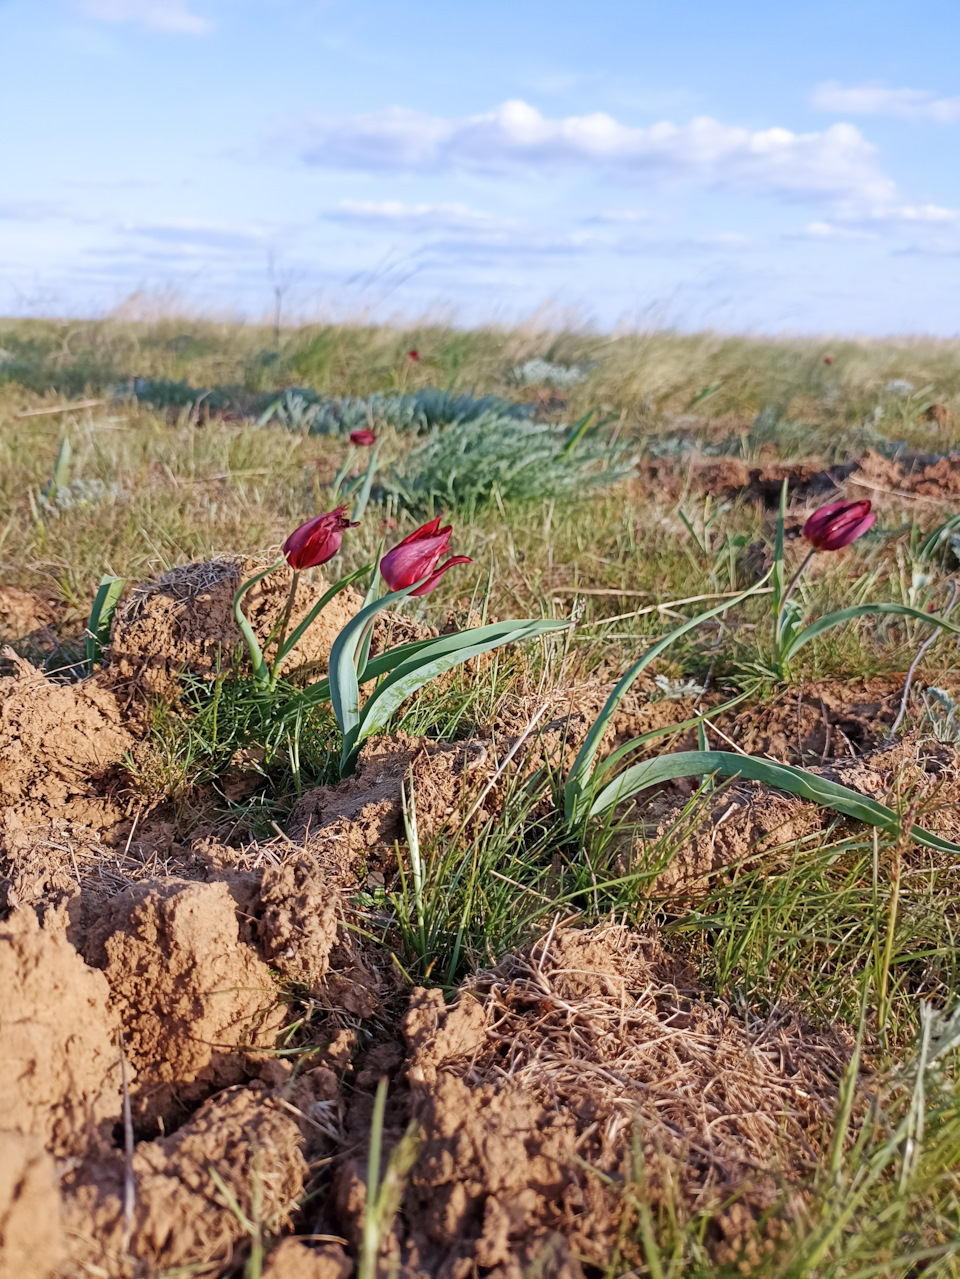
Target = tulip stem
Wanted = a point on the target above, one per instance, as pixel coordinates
(796, 577)
(285, 622)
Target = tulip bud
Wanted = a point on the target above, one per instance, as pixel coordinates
(838, 524)
(316, 541)
(413, 355)
(416, 557)
(363, 437)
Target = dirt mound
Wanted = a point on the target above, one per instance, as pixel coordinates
(820, 720)
(341, 822)
(745, 821)
(29, 1196)
(922, 475)
(531, 1089)
(181, 1217)
(183, 621)
(297, 920)
(293, 1259)
(59, 1056)
(728, 479)
(56, 740)
(192, 997)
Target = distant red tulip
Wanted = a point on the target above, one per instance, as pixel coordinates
(363, 437)
(828, 359)
(416, 557)
(838, 524)
(316, 541)
(413, 355)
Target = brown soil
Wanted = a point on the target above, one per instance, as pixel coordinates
(191, 996)
(59, 1062)
(56, 740)
(25, 613)
(820, 720)
(357, 822)
(184, 621)
(728, 478)
(31, 1234)
(922, 476)
(541, 1072)
(180, 1216)
(181, 967)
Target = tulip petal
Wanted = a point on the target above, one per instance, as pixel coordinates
(436, 575)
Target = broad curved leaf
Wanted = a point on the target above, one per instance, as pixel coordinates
(827, 623)
(342, 676)
(435, 659)
(797, 781)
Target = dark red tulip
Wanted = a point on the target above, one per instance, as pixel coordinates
(413, 355)
(416, 557)
(828, 359)
(316, 541)
(363, 437)
(838, 524)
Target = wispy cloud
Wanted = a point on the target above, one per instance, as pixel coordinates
(157, 15)
(876, 99)
(458, 232)
(190, 235)
(829, 231)
(31, 210)
(415, 217)
(514, 138)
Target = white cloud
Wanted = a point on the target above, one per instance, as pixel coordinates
(514, 138)
(415, 217)
(829, 231)
(875, 99)
(157, 15)
(188, 234)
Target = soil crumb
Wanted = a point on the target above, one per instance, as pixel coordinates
(921, 475)
(24, 613)
(297, 920)
(182, 1217)
(31, 1233)
(59, 1053)
(342, 823)
(745, 822)
(193, 998)
(57, 741)
(820, 720)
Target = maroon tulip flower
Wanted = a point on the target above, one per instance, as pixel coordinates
(416, 557)
(838, 524)
(413, 355)
(363, 437)
(828, 359)
(316, 541)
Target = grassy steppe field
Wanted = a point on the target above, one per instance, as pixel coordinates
(441, 1010)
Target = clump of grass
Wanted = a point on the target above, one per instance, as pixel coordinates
(494, 459)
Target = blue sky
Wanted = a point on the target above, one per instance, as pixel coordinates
(744, 165)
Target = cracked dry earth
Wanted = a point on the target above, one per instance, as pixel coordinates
(225, 993)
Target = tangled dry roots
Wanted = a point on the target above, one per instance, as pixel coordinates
(535, 1090)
